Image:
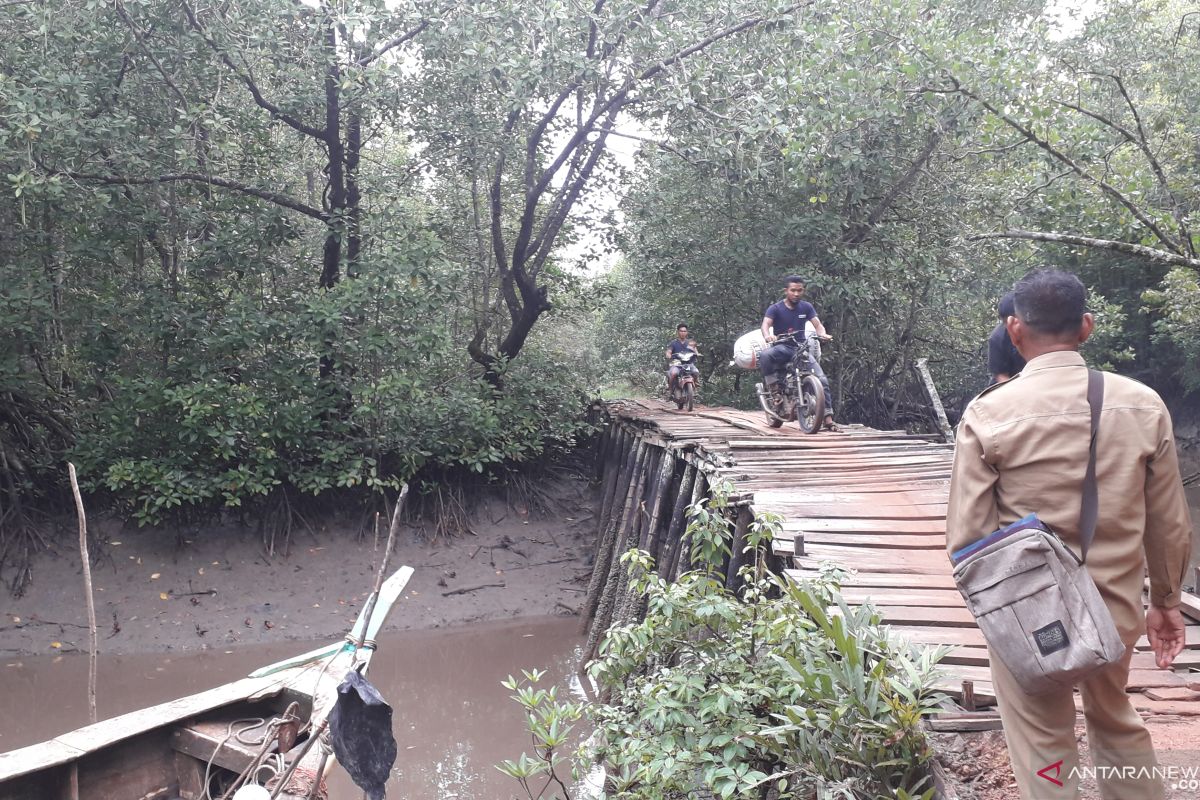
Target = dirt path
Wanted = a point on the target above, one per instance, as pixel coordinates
(219, 589)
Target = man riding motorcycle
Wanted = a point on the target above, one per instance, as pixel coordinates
(679, 345)
(788, 316)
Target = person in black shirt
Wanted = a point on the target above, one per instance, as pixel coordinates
(1003, 359)
(680, 343)
(789, 315)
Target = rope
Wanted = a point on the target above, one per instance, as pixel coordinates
(263, 743)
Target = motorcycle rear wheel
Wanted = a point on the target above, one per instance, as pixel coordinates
(764, 401)
(810, 411)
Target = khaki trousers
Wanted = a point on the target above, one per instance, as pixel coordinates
(1040, 731)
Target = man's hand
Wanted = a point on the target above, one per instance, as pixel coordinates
(1165, 629)
(770, 337)
(825, 337)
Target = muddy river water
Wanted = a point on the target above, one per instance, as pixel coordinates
(453, 720)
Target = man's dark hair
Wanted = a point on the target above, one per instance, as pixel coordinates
(1050, 301)
(1006, 307)
(790, 279)
(680, 326)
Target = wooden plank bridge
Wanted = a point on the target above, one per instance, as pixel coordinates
(867, 500)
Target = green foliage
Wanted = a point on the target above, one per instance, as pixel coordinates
(550, 723)
(780, 687)
(247, 249)
(816, 167)
(241, 410)
(177, 337)
(1108, 347)
(1178, 303)
(831, 165)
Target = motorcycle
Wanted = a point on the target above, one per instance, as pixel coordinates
(801, 396)
(683, 393)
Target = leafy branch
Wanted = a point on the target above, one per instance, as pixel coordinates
(195, 177)
(1105, 187)
(1141, 251)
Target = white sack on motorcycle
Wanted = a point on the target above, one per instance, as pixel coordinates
(747, 348)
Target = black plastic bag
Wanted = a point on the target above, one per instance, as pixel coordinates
(360, 729)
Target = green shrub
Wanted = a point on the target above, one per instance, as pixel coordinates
(243, 409)
(1178, 302)
(780, 690)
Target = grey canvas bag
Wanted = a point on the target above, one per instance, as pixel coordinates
(1033, 598)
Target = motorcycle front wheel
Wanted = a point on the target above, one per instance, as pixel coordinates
(689, 396)
(810, 412)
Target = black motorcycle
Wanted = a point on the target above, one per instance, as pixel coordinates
(800, 396)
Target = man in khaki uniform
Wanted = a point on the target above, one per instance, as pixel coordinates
(1022, 448)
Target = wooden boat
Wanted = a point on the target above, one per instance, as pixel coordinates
(196, 747)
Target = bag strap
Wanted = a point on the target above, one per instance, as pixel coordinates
(1089, 511)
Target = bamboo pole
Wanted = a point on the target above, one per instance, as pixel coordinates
(921, 366)
(623, 539)
(678, 521)
(597, 447)
(631, 538)
(603, 446)
(603, 614)
(737, 557)
(660, 516)
(684, 562)
(622, 444)
(614, 468)
(393, 529)
(627, 464)
(662, 485)
(87, 588)
(608, 542)
(647, 496)
(607, 613)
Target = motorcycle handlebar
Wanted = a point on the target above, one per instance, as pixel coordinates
(793, 337)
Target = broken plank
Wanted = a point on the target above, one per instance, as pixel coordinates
(806, 568)
(1153, 679)
(1173, 694)
(878, 542)
(926, 615)
(880, 561)
(849, 524)
(885, 596)
(971, 637)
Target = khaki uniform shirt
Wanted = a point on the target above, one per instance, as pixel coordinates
(1022, 447)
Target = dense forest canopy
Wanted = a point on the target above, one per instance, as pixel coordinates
(261, 250)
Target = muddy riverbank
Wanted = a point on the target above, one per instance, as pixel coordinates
(216, 589)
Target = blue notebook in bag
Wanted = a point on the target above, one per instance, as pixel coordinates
(1026, 522)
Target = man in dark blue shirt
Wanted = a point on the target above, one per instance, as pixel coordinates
(1003, 359)
(679, 344)
(789, 315)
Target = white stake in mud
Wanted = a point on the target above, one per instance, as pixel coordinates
(87, 586)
